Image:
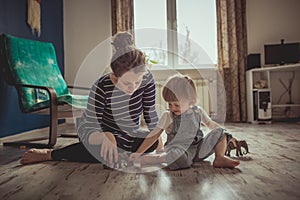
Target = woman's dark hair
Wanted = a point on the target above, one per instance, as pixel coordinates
(126, 57)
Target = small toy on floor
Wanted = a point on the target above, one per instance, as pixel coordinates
(237, 144)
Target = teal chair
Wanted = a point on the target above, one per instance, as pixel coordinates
(31, 67)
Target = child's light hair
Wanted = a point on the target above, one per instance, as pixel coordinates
(179, 87)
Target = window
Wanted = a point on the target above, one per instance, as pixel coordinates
(177, 33)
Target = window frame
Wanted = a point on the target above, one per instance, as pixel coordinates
(172, 42)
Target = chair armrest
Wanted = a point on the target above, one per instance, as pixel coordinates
(78, 87)
(34, 86)
(50, 91)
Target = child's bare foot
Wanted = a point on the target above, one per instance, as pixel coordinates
(225, 162)
(234, 140)
(36, 155)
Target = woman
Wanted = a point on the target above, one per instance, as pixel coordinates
(111, 122)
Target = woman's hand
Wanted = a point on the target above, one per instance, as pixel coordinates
(109, 149)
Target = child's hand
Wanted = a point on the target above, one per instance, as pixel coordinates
(134, 156)
(169, 129)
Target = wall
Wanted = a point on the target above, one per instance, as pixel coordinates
(269, 21)
(13, 17)
(87, 32)
(88, 24)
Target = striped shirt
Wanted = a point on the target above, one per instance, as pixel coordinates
(110, 109)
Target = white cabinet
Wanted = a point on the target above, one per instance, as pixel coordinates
(273, 93)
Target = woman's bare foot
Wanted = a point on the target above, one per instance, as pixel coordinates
(36, 155)
(225, 162)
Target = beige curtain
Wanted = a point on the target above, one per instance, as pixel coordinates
(122, 15)
(232, 54)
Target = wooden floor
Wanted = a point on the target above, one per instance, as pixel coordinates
(270, 171)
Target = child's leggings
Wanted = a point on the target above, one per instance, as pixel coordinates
(180, 158)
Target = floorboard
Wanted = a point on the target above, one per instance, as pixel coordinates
(269, 171)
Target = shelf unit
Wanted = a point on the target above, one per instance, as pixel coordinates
(272, 81)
